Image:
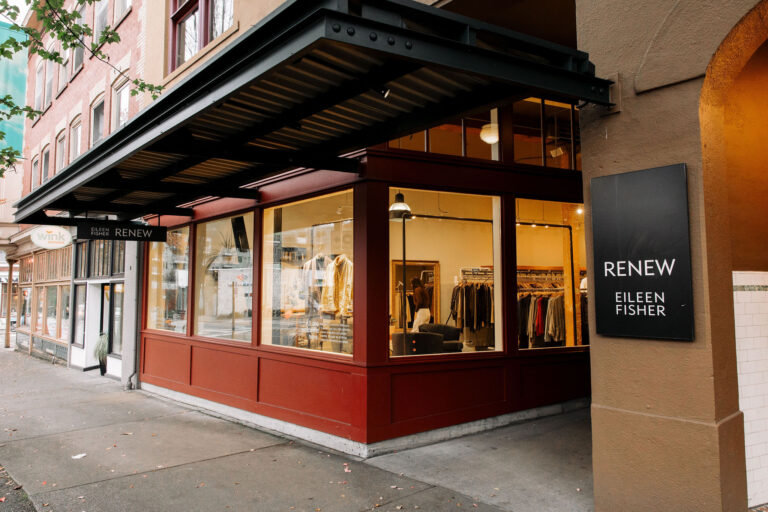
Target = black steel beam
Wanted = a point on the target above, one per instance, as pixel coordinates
(118, 208)
(116, 182)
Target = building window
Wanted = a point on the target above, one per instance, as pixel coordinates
(116, 325)
(307, 274)
(77, 52)
(121, 6)
(51, 296)
(79, 338)
(39, 86)
(551, 274)
(82, 260)
(39, 308)
(99, 19)
(224, 278)
(447, 298)
(61, 152)
(99, 258)
(118, 257)
(64, 69)
(122, 96)
(196, 23)
(36, 173)
(25, 307)
(221, 17)
(46, 164)
(97, 122)
(50, 66)
(65, 315)
(168, 283)
(75, 140)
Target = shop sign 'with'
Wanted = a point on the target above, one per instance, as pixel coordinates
(50, 237)
(643, 285)
(129, 231)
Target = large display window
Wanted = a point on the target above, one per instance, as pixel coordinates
(224, 278)
(168, 282)
(307, 274)
(551, 275)
(445, 274)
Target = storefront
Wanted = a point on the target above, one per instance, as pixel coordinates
(433, 279)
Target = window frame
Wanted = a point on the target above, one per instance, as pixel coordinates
(61, 152)
(39, 91)
(78, 51)
(35, 173)
(99, 102)
(45, 165)
(179, 13)
(124, 86)
(75, 143)
(100, 7)
(50, 68)
(64, 70)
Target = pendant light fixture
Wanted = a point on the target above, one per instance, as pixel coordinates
(399, 209)
(489, 133)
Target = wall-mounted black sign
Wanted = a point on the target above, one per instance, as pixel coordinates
(94, 230)
(642, 252)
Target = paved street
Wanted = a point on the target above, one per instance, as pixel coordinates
(77, 442)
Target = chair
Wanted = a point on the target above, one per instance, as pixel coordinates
(414, 343)
(451, 336)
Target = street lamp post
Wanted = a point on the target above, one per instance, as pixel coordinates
(399, 210)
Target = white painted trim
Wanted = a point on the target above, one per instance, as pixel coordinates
(355, 448)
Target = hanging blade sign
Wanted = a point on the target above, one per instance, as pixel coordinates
(129, 231)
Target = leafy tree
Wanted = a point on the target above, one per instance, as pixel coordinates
(70, 31)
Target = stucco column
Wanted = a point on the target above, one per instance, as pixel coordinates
(9, 291)
(666, 427)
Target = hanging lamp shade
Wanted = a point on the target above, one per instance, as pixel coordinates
(399, 209)
(489, 133)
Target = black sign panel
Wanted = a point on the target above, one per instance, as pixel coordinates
(642, 251)
(88, 230)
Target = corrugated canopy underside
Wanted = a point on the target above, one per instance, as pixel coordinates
(318, 79)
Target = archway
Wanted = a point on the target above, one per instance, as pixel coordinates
(734, 132)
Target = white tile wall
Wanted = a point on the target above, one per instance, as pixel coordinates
(751, 314)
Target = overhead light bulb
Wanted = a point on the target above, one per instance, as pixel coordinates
(533, 225)
(579, 210)
(489, 133)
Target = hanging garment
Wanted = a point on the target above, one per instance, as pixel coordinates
(313, 276)
(422, 317)
(337, 292)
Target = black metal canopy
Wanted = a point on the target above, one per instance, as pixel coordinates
(315, 80)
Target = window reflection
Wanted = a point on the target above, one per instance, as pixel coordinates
(224, 278)
(168, 282)
(308, 274)
(551, 270)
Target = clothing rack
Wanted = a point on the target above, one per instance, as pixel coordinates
(476, 274)
(548, 275)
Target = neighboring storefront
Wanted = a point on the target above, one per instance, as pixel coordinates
(43, 303)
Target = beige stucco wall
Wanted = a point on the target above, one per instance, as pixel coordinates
(667, 432)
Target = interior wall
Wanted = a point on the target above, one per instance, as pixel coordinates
(746, 132)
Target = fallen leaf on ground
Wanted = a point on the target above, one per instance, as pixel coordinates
(79, 456)
(44, 482)
(127, 433)
(2, 499)
(201, 484)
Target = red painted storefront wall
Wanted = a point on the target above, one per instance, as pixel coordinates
(369, 397)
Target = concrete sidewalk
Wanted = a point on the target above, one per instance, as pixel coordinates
(145, 453)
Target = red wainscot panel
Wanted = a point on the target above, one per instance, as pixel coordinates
(550, 379)
(309, 390)
(166, 360)
(427, 396)
(223, 375)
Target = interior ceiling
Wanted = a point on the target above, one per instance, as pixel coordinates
(552, 20)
